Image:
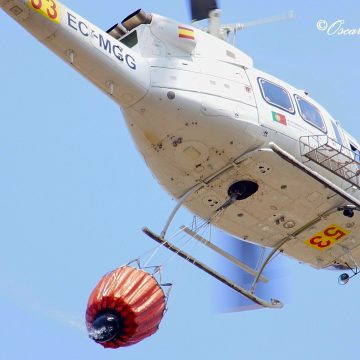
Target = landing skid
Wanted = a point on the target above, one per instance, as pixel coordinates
(273, 303)
(250, 294)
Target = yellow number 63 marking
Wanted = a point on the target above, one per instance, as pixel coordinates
(47, 8)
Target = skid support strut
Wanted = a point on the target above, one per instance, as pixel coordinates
(178, 206)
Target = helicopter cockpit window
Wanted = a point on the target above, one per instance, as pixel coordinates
(310, 113)
(130, 40)
(276, 95)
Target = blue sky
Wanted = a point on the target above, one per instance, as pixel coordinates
(75, 193)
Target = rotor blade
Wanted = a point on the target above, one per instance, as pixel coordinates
(228, 300)
(200, 9)
(288, 16)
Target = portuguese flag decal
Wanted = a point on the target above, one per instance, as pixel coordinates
(279, 118)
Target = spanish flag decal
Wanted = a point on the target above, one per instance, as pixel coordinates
(186, 33)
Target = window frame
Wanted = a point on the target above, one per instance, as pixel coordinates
(325, 129)
(271, 103)
(337, 132)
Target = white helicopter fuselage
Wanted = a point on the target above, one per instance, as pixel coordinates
(194, 104)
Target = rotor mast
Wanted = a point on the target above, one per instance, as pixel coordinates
(215, 23)
(207, 9)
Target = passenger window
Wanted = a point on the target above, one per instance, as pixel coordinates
(310, 113)
(276, 95)
(337, 133)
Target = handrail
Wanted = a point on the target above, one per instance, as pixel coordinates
(333, 156)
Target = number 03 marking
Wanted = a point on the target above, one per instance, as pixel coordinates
(47, 8)
(327, 238)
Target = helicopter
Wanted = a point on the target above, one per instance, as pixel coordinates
(281, 173)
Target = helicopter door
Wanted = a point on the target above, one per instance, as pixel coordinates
(228, 95)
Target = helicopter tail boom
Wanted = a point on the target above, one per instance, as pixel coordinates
(109, 64)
